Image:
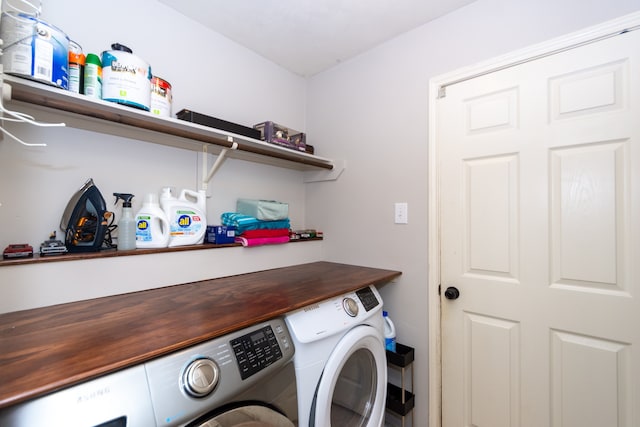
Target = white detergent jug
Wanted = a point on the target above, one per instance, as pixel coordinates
(152, 224)
(187, 218)
(389, 333)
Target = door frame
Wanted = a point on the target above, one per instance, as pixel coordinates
(436, 84)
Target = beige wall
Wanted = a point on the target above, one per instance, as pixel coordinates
(372, 111)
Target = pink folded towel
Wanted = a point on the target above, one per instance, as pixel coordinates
(256, 241)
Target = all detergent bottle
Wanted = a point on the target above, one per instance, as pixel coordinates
(152, 224)
(187, 218)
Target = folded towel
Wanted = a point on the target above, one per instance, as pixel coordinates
(277, 232)
(261, 240)
(246, 222)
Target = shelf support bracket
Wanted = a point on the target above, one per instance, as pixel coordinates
(207, 174)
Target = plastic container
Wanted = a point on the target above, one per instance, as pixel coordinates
(93, 76)
(152, 224)
(126, 224)
(34, 49)
(187, 218)
(126, 78)
(389, 333)
(76, 68)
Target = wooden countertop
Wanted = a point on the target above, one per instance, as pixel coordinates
(45, 349)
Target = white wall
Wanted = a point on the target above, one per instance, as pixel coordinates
(372, 111)
(209, 74)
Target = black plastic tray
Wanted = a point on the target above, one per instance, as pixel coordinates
(402, 357)
(394, 400)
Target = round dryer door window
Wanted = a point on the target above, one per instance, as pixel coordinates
(352, 388)
(248, 416)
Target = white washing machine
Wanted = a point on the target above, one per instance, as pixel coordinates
(340, 360)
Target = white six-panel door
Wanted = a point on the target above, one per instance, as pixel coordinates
(540, 233)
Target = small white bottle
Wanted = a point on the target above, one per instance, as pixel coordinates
(152, 224)
(389, 333)
(126, 224)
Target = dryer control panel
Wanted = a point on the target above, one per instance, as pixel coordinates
(336, 315)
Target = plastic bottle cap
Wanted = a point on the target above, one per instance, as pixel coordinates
(76, 58)
(151, 198)
(94, 59)
(121, 47)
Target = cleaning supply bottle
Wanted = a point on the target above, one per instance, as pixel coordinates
(127, 223)
(187, 218)
(389, 333)
(152, 224)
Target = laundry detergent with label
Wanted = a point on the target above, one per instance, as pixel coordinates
(187, 216)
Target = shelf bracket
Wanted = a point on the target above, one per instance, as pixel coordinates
(331, 175)
(207, 174)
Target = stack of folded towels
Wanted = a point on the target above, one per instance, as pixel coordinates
(259, 222)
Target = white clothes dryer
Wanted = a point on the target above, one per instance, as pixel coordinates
(340, 360)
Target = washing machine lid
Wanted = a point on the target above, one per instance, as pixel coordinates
(249, 416)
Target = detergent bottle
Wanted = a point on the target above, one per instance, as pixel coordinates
(152, 224)
(389, 333)
(187, 218)
(126, 225)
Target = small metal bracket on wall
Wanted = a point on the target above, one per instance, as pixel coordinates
(326, 175)
(207, 173)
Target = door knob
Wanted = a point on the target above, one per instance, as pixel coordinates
(451, 293)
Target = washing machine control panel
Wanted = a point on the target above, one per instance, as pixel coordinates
(256, 350)
(367, 298)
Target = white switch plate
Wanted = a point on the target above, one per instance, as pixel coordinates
(402, 213)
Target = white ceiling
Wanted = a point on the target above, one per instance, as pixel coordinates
(309, 36)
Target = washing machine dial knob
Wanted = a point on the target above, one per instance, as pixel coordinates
(350, 306)
(201, 377)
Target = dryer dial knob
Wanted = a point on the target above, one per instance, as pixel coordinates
(201, 377)
(350, 306)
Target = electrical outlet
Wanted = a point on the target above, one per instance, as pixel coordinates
(401, 213)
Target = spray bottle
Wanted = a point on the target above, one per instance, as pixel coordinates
(127, 223)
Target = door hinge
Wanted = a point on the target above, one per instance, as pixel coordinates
(442, 92)
(439, 289)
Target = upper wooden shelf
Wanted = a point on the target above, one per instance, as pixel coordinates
(107, 117)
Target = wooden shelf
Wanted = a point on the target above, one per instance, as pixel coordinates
(111, 118)
(110, 253)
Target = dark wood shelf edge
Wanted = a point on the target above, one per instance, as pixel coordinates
(110, 253)
(49, 97)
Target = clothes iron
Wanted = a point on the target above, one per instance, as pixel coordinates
(85, 221)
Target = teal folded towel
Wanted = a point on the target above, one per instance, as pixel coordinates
(246, 222)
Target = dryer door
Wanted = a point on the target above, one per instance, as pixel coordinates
(248, 416)
(352, 389)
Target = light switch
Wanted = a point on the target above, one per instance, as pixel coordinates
(402, 213)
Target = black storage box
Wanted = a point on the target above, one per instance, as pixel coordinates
(201, 119)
